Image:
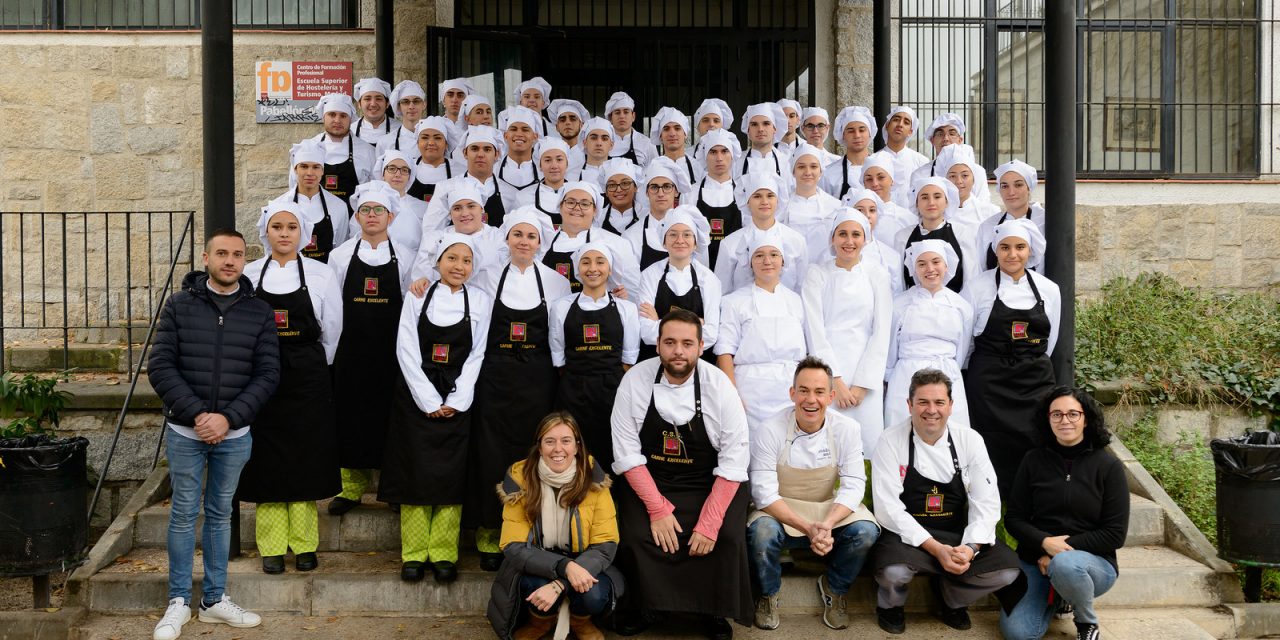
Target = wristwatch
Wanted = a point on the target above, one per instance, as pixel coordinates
(974, 546)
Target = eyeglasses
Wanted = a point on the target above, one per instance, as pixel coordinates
(372, 211)
(1069, 416)
(664, 188)
(580, 205)
(404, 171)
(810, 126)
(619, 186)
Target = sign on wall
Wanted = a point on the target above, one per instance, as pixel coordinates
(287, 91)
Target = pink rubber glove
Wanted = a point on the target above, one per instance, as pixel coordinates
(642, 483)
(712, 516)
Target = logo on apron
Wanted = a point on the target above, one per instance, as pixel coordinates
(311, 246)
(562, 268)
(519, 331)
(331, 182)
(1020, 330)
(555, 225)
(933, 502)
(902, 471)
(440, 353)
(671, 444)
(484, 217)
(426, 197)
(717, 226)
(591, 333)
(282, 318)
(371, 286)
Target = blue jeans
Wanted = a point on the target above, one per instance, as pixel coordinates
(189, 460)
(766, 539)
(1077, 576)
(580, 604)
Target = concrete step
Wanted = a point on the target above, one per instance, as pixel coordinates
(368, 583)
(111, 357)
(374, 527)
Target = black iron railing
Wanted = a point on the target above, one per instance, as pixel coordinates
(175, 14)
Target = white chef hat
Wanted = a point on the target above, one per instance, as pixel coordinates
(854, 114)
(717, 105)
(536, 82)
(687, 215)
(287, 205)
(788, 102)
(595, 124)
(1027, 230)
(529, 215)
(519, 114)
(619, 100)
(770, 110)
(561, 105)
(879, 159)
(770, 238)
(911, 113)
(716, 138)
(810, 112)
(594, 245)
(854, 196)
(406, 89)
(940, 247)
(372, 85)
(465, 190)
(943, 120)
(376, 191)
(308, 150)
(590, 188)
(664, 116)
(448, 240)
(550, 144)
(948, 189)
(849, 214)
(387, 157)
(1027, 171)
(805, 149)
(665, 167)
(473, 100)
(336, 102)
(435, 123)
(455, 83)
(753, 181)
(954, 154)
(618, 167)
(485, 135)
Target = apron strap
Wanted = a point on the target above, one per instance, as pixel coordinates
(351, 147)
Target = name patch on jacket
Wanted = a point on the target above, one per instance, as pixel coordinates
(440, 353)
(591, 334)
(1020, 329)
(519, 331)
(933, 502)
(331, 182)
(311, 246)
(562, 268)
(371, 286)
(717, 226)
(282, 319)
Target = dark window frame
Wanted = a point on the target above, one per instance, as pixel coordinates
(179, 15)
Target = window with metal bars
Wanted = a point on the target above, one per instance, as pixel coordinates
(174, 14)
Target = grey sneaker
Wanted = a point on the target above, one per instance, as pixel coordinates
(767, 612)
(835, 613)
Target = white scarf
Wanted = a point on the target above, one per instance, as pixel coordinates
(555, 527)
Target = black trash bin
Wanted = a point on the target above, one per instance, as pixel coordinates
(1248, 480)
(44, 524)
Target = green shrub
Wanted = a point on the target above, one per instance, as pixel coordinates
(1184, 469)
(29, 403)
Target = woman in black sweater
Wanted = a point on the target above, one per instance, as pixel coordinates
(1069, 510)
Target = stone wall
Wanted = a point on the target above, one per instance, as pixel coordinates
(854, 54)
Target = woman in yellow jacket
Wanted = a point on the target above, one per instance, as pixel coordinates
(559, 536)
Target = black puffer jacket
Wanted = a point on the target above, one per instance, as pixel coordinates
(205, 361)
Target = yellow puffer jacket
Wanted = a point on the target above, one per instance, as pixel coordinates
(591, 523)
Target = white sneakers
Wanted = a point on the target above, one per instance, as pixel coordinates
(170, 626)
(223, 612)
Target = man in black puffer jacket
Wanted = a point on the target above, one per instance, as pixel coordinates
(215, 361)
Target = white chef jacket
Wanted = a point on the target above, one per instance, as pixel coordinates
(624, 270)
(323, 288)
(880, 253)
(407, 140)
(340, 259)
(372, 133)
(490, 244)
(722, 415)
(405, 229)
(847, 313)
(681, 281)
(314, 210)
(975, 211)
(645, 149)
(621, 220)
(987, 230)
(362, 153)
(446, 309)
(757, 161)
(966, 235)
(692, 168)
(832, 177)
(1015, 295)
(514, 180)
(740, 308)
(889, 467)
(545, 197)
(890, 220)
(905, 163)
(520, 291)
(808, 451)
(733, 263)
(437, 215)
(714, 192)
(626, 309)
(926, 325)
(811, 217)
(638, 234)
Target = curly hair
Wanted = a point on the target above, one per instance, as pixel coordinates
(1095, 425)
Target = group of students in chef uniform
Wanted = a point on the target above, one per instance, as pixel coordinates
(465, 274)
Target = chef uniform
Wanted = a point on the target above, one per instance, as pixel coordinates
(906, 161)
(715, 199)
(635, 148)
(773, 160)
(694, 288)
(720, 107)
(323, 210)
(646, 236)
(893, 214)
(826, 157)
(961, 235)
(405, 137)
(463, 125)
(440, 347)
(517, 383)
(847, 313)
(672, 115)
(810, 216)
(687, 443)
(1035, 213)
(611, 219)
(733, 264)
(366, 130)
(561, 106)
(580, 166)
(945, 491)
(487, 242)
(593, 340)
(348, 161)
(406, 226)
(458, 125)
(977, 206)
(838, 179)
(558, 252)
(927, 331)
(1015, 331)
(517, 181)
(789, 147)
(426, 176)
(545, 197)
(372, 281)
(877, 250)
(438, 214)
(765, 333)
(295, 447)
(541, 127)
(930, 168)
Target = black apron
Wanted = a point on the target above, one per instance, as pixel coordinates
(1009, 371)
(648, 255)
(516, 389)
(591, 373)
(746, 161)
(681, 459)
(945, 232)
(425, 461)
(631, 149)
(562, 261)
(425, 191)
(295, 444)
(992, 262)
(554, 213)
(365, 366)
(943, 511)
(341, 179)
(844, 177)
(608, 226)
(723, 220)
(495, 217)
(664, 300)
(321, 241)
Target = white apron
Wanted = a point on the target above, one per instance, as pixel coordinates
(765, 362)
(926, 340)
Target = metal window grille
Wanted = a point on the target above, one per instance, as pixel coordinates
(174, 14)
(1167, 88)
